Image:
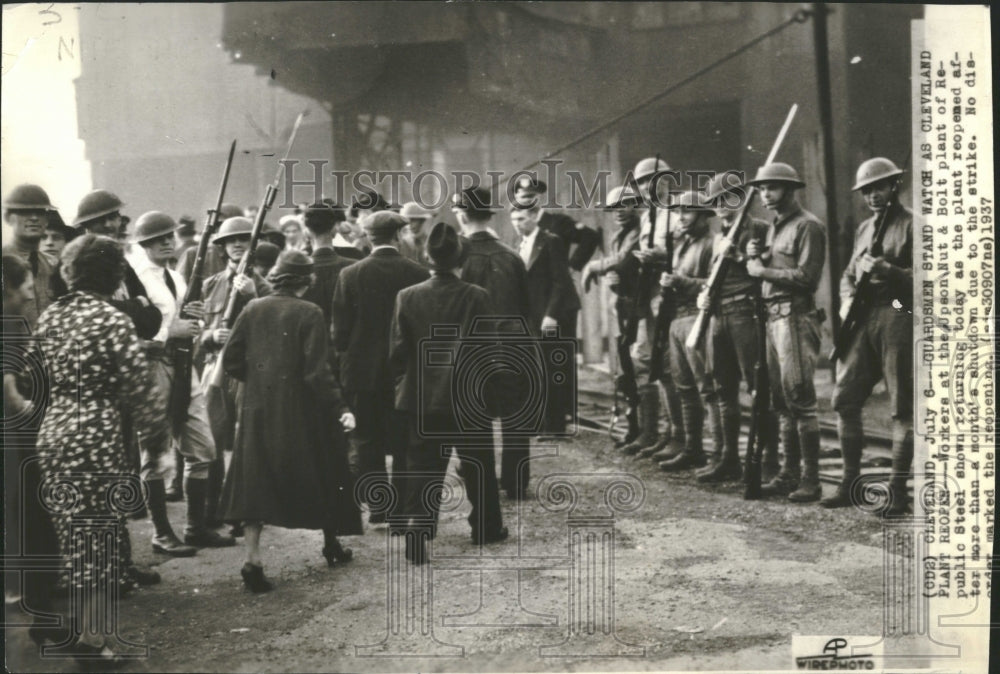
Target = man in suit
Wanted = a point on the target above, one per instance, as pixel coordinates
(320, 219)
(362, 315)
(501, 271)
(580, 241)
(553, 303)
(426, 396)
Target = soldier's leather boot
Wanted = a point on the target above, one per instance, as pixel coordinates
(727, 465)
(165, 541)
(809, 487)
(787, 479)
(665, 436)
(196, 533)
(902, 460)
(649, 419)
(693, 455)
(851, 443)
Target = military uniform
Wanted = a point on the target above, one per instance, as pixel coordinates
(732, 346)
(691, 266)
(797, 251)
(882, 348)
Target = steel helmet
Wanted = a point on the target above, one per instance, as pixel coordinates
(620, 197)
(690, 200)
(230, 227)
(874, 170)
(96, 205)
(28, 197)
(777, 172)
(647, 167)
(721, 183)
(230, 211)
(152, 225)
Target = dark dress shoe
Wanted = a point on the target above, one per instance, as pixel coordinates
(683, 462)
(170, 545)
(253, 578)
(209, 539)
(236, 530)
(142, 577)
(336, 553)
(500, 534)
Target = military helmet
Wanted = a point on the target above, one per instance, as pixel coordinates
(28, 197)
(721, 183)
(153, 225)
(620, 197)
(874, 170)
(690, 200)
(96, 205)
(777, 172)
(230, 211)
(230, 227)
(647, 167)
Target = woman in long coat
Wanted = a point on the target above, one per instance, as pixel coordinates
(289, 465)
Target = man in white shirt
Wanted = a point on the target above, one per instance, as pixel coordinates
(154, 233)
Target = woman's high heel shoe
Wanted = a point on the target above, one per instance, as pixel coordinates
(253, 578)
(335, 552)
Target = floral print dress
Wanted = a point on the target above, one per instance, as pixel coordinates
(96, 367)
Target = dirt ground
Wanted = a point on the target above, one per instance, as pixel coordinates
(702, 580)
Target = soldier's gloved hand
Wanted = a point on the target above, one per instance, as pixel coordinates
(877, 266)
(613, 278)
(347, 421)
(667, 280)
(755, 267)
(725, 247)
(704, 302)
(845, 306)
(221, 335)
(183, 328)
(754, 248)
(195, 310)
(244, 286)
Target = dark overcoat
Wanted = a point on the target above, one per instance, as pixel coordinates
(289, 464)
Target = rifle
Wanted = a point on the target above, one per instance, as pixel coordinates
(668, 305)
(861, 304)
(182, 348)
(229, 317)
(722, 266)
(759, 410)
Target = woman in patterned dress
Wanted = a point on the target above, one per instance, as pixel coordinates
(96, 366)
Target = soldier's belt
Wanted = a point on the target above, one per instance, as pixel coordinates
(685, 311)
(154, 349)
(739, 302)
(783, 307)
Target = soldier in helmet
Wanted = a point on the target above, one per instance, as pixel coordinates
(185, 237)
(789, 265)
(26, 209)
(222, 400)
(214, 260)
(883, 347)
(154, 233)
(732, 347)
(650, 442)
(691, 267)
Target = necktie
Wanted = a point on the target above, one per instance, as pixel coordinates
(33, 262)
(525, 250)
(170, 282)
